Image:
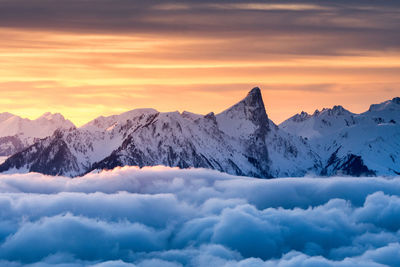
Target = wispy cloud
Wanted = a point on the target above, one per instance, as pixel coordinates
(142, 52)
(269, 6)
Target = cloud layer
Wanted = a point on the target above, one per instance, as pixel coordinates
(169, 217)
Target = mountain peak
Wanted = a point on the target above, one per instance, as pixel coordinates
(254, 97)
(299, 117)
(334, 111)
(393, 104)
(252, 103)
(52, 116)
(5, 116)
(338, 107)
(246, 116)
(340, 110)
(255, 90)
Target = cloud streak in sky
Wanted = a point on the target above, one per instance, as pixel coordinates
(124, 15)
(351, 25)
(157, 216)
(131, 49)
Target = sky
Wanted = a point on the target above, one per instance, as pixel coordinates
(101, 57)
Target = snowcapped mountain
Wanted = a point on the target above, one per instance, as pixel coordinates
(353, 144)
(318, 124)
(17, 133)
(241, 140)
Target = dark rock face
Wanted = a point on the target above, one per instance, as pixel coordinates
(354, 166)
(61, 160)
(49, 156)
(251, 108)
(351, 165)
(131, 154)
(396, 100)
(10, 145)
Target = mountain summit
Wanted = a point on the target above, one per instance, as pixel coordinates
(353, 144)
(241, 140)
(245, 117)
(17, 133)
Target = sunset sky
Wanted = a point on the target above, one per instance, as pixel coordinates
(102, 57)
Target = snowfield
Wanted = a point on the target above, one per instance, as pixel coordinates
(241, 140)
(159, 216)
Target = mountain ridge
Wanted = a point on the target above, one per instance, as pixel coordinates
(240, 140)
(370, 138)
(17, 133)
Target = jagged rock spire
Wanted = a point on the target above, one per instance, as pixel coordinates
(250, 108)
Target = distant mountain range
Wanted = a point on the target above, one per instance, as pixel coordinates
(355, 144)
(241, 140)
(17, 133)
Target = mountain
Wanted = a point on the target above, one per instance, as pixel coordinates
(320, 123)
(17, 133)
(353, 144)
(240, 140)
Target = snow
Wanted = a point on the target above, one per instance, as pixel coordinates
(41, 127)
(374, 135)
(17, 133)
(240, 140)
(233, 141)
(319, 124)
(103, 123)
(3, 158)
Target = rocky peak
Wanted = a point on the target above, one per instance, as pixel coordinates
(393, 104)
(210, 116)
(300, 117)
(254, 99)
(339, 110)
(316, 112)
(55, 117)
(334, 111)
(5, 115)
(250, 108)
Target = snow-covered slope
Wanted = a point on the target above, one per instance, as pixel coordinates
(318, 124)
(241, 140)
(234, 141)
(355, 144)
(16, 133)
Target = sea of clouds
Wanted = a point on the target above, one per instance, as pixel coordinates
(159, 216)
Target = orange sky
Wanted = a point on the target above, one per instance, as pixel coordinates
(84, 74)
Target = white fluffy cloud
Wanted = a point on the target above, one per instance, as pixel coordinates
(169, 217)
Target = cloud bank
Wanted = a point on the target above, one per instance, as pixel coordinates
(169, 217)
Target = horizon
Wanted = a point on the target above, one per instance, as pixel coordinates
(216, 112)
(171, 133)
